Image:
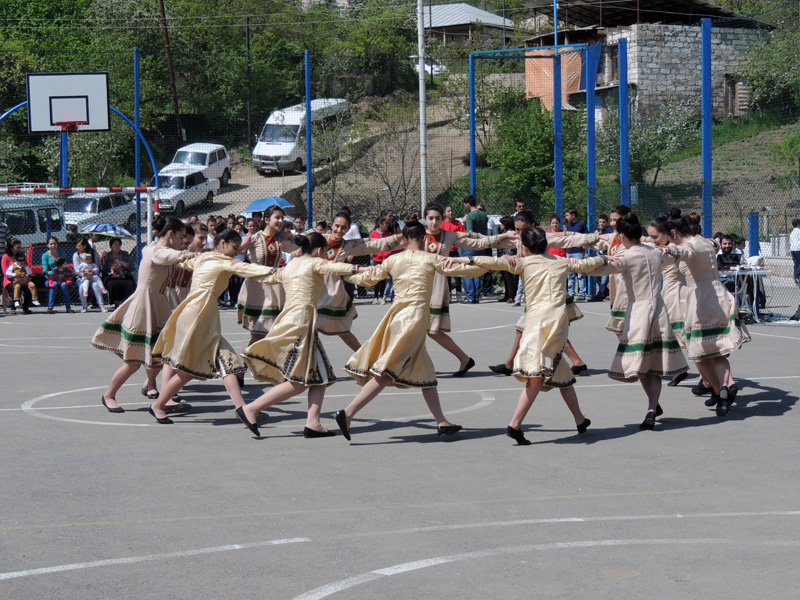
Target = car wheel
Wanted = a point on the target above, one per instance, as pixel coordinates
(209, 199)
(226, 177)
(298, 165)
(179, 209)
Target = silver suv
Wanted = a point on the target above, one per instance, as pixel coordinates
(211, 159)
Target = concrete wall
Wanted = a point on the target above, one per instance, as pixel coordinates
(664, 62)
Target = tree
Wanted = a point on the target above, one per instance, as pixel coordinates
(654, 137)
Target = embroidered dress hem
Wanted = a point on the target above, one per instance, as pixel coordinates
(362, 377)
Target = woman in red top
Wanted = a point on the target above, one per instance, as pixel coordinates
(555, 227)
(381, 231)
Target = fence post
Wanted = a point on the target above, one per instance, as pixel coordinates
(137, 156)
(473, 180)
(753, 243)
(558, 136)
(708, 222)
(309, 170)
(624, 134)
(592, 52)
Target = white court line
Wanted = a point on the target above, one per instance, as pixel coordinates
(147, 558)
(484, 328)
(785, 337)
(383, 533)
(344, 584)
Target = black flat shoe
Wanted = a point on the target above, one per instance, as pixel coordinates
(713, 401)
(119, 409)
(659, 410)
(649, 421)
(517, 436)
(701, 390)
(462, 372)
(732, 391)
(724, 401)
(313, 433)
(577, 370)
(164, 421)
(177, 408)
(680, 377)
(500, 369)
(251, 426)
(584, 426)
(448, 430)
(341, 420)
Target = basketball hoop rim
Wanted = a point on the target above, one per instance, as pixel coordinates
(70, 126)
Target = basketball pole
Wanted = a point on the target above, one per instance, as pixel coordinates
(63, 178)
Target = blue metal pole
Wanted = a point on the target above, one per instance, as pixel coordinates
(753, 243)
(624, 134)
(141, 138)
(137, 156)
(309, 170)
(63, 177)
(706, 127)
(590, 67)
(558, 138)
(473, 179)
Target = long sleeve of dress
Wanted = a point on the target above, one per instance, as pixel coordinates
(586, 265)
(335, 269)
(478, 242)
(460, 270)
(364, 246)
(167, 256)
(570, 239)
(262, 274)
(368, 279)
(498, 264)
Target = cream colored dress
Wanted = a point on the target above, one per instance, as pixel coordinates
(711, 321)
(440, 245)
(554, 240)
(133, 328)
(397, 348)
(648, 345)
(335, 312)
(546, 330)
(292, 350)
(191, 340)
(258, 304)
(673, 290)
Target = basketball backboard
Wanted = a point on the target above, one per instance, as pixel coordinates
(55, 98)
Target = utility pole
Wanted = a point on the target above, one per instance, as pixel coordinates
(423, 133)
(171, 72)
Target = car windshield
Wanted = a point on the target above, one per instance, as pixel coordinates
(190, 158)
(175, 182)
(279, 133)
(81, 205)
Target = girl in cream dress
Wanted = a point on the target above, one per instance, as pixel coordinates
(292, 356)
(336, 311)
(260, 304)
(712, 329)
(395, 354)
(133, 328)
(191, 345)
(539, 363)
(648, 349)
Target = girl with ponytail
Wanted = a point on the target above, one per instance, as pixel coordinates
(291, 355)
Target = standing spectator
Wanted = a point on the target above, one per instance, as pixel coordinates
(603, 228)
(258, 217)
(57, 275)
(487, 281)
(555, 227)
(115, 269)
(509, 279)
(794, 248)
(475, 222)
(450, 223)
(575, 225)
(299, 225)
(381, 231)
(519, 206)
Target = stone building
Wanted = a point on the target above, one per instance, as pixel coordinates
(664, 54)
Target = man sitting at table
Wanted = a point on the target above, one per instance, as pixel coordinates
(728, 258)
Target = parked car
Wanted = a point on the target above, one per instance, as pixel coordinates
(432, 66)
(116, 208)
(180, 189)
(211, 159)
(27, 217)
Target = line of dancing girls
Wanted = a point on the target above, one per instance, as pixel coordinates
(291, 355)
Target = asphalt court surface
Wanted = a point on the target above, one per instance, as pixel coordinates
(98, 505)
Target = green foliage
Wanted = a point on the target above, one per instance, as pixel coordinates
(654, 137)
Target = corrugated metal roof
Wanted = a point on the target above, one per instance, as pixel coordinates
(450, 15)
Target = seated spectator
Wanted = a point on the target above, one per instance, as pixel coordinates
(88, 271)
(82, 246)
(19, 276)
(12, 247)
(115, 269)
(728, 258)
(60, 277)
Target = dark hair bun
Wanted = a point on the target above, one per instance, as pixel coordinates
(411, 221)
(301, 241)
(675, 213)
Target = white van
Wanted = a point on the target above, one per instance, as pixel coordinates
(280, 146)
(27, 217)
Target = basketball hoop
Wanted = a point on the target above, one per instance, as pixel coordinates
(70, 126)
